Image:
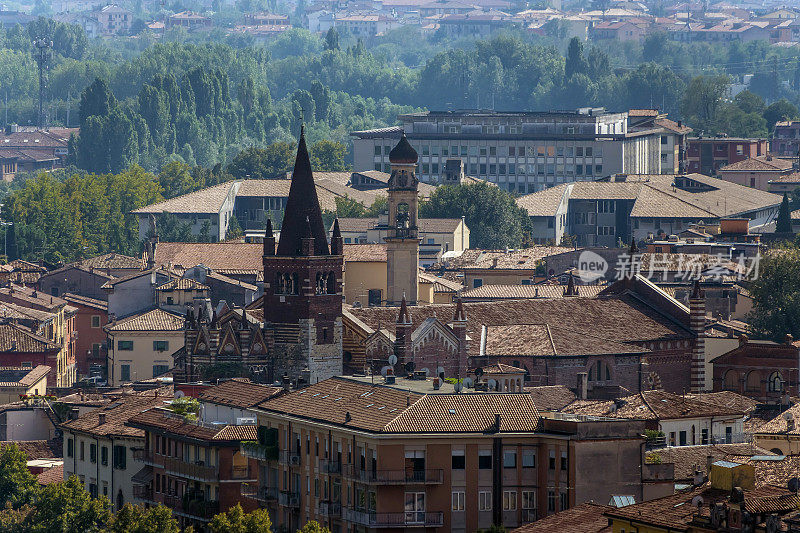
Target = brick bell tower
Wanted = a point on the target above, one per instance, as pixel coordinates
(303, 284)
(402, 242)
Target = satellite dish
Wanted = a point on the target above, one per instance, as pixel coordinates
(385, 370)
(392, 359)
(794, 484)
(457, 387)
(697, 501)
(491, 384)
(478, 372)
(410, 366)
(440, 371)
(788, 415)
(468, 383)
(179, 394)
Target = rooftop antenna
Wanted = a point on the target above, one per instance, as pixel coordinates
(42, 56)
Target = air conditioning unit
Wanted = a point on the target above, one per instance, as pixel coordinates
(242, 421)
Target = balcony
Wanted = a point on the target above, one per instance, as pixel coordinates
(396, 477)
(330, 467)
(196, 508)
(258, 451)
(289, 499)
(143, 492)
(329, 509)
(401, 520)
(256, 492)
(289, 458)
(197, 471)
(145, 456)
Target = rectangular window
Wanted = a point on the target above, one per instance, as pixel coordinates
(564, 460)
(458, 501)
(485, 460)
(588, 151)
(564, 501)
(93, 490)
(95, 321)
(70, 447)
(104, 455)
(551, 501)
(159, 369)
(492, 150)
(120, 457)
(528, 499)
(459, 460)
(552, 460)
(160, 346)
(477, 282)
(484, 500)
(509, 500)
(82, 454)
(579, 151)
(93, 452)
(512, 150)
(125, 372)
(510, 459)
(125, 346)
(415, 507)
(529, 459)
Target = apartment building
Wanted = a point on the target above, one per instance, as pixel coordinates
(519, 151)
(786, 138)
(99, 446)
(193, 468)
(361, 457)
(706, 155)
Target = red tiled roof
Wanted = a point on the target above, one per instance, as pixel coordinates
(116, 414)
(219, 256)
(164, 420)
(153, 320)
(239, 393)
(584, 518)
(51, 475)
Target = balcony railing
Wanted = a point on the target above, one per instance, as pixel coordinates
(289, 499)
(240, 472)
(410, 519)
(330, 467)
(190, 470)
(192, 507)
(396, 477)
(331, 509)
(256, 492)
(143, 492)
(289, 458)
(146, 456)
(258, 451)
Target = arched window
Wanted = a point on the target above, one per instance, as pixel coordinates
(599, 371)
(280, 284)
(731, 381)
(775, 383)
(321, 279)
(753, 381)
(331, 283)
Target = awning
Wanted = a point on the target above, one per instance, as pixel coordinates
(143, 476)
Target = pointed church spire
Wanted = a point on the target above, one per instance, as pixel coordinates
(302, 204)
(403, 317)
(337, 243)
(269, 239)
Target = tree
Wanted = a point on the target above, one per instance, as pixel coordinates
(137, 519)
(235, 520)
(749, 102)
(234, 229)
(776, 295)
(272, 162)
(576, 64)
(96, 100)
(346, 207)
(185, 406)
(331, 39)
(313, 527)
(17, 485)
(702, 100)
(784, 222)
(779, 111)
(328, 156)
(491, 214)
(67, 507)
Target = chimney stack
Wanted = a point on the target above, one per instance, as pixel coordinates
(497, 421)
(583, 385)
(697, 324)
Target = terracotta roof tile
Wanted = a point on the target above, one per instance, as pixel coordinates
(654, 405)
(38, 449)
(113, 261)
(51, 475)
(13, 376)
(219, 256)
(551, 397)
(761, 163)
(14, 338)
(182, 284)
(382, 409)
(85, 300)
(583, 518)
(521, 259)
(208, 200)
(152, 320)
(513, 292)
(688, 458)
(116, 415)
(779, 425)
(238, 393)
(163, 419)
(365, 252)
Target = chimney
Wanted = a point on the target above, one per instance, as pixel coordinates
(709, 462)
(286, 383)
(680, 123)
(101, 419)
(697, 479)
(583, 385)
(497, 421)
(697, 324)
(494, 262)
